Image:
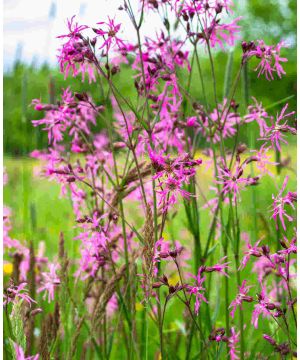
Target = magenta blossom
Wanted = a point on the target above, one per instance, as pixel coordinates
(232, 180)
(76, 54)
(222, 34)
(241, 296)
(172, 190)
(263, 307)
(197, 290)
(220, 268)
(110, 34)
(275, 133)
(279, 203)
(289, 247)
(270, 59)
(225, 121)
(252, 251)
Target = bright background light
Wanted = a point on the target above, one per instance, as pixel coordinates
(31, 26)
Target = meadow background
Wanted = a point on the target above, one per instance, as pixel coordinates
(38, 213)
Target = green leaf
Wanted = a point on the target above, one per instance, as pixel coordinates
(279, 102)
(212, 249)
(17, 325)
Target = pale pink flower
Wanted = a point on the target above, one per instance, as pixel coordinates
(232, 344)
(13, 293)
(241, 296)
(257, 113)
(49, 282)
(280, 202)
(262, 160)
(20, 355)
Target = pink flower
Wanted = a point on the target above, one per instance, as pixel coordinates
(262, 267)
(257, 113)
(275, 133)
(269, 57)
(232, 344)
(172, 175)
(192, 121)
(219, 267)
(252, 251)
(289, 248)
(224, 120)
(20, 355)
(68, 118)
(203, 8)
(262, 160)
(13, 293)
(75, 53)
(263, 307)
(241, 296)
(49, 282)
(221, 34)
(111, 34)
(93, 252)
(172, 190)
(279, 203)
(197, 290)
(232, 180)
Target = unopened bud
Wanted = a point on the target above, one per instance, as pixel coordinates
(156, 285)
(93, 41)
(265, 249)
(115, 69)
(270, 306)
(269, 339)
(35, 312)
(241, 148)
(71, 179)
(81, 96)
(247, 298)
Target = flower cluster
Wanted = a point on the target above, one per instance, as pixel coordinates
(137, 167)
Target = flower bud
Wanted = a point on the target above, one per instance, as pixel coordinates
(173, 253)
(163, 255)
(156, 285)
(81, 96)
(115, 69)
(270, 306)
(256, 253)
(265, 249)
(269, 339)
(35, 312)
(247, 298)
(241, 148)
